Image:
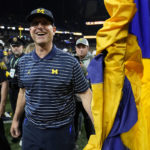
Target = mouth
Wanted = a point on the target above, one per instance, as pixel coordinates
(40, 34)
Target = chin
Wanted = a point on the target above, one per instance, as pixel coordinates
(17, 54)
(41, 43)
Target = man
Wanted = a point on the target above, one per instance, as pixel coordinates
(50, 78)
(82, 52)
(3, 96)
(17, 47)
(1, 46)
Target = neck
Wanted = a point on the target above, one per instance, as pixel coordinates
(81, 57)
(17, 55)
(42, 51)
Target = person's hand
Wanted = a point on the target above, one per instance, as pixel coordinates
(81, 64)
(14, 130)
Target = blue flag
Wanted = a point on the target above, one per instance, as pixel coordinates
(140, 26)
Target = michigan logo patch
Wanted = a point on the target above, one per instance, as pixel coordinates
(54, 71)
(42, 11)
(28, 72)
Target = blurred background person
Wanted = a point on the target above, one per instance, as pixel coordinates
(84, 57)
(9, 52)
(29, 48)
(3, 97)
(2, 45)
(17, 47)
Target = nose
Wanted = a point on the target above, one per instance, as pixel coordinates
(81, 49)
(39, 25)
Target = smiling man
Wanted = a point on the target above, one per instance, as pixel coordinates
(50, 79)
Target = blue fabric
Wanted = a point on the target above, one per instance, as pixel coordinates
(126, 115)
(125, 119)
(140, 26)
(1, 54)
(95, 69)
(114, 143)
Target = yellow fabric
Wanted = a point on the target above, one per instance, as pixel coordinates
(146, 77)
(5, 53)
(145, 98)
(139, 134)
(123, 58)
(137, 137)
(7, 74)
(114, 29)
(3, 66)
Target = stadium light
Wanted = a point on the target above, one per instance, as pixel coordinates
(90, 36)
(2, 27)
(89, 23)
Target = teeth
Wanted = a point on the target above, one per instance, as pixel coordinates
(40, 33)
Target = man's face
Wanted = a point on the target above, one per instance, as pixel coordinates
(41, 30)
(81, 50)
(17, 49)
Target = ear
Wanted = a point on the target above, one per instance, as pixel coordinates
(30, 30)
(54, 30)
(88, 47)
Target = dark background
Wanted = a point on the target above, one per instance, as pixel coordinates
(68, 14)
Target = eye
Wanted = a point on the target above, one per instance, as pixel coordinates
(34, 23)
(45, 23)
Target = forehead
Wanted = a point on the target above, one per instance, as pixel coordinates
(17, 45)
(81, 45)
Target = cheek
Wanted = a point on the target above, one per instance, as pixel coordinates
(79, 50)
(20, 50)
(13, 50)
(50, 35)
(50, 30)
(84, 51)
(31, 32)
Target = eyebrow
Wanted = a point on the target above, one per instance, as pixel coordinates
(41, 21)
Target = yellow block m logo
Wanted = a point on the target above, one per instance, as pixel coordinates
(54, 71)
(28, 72)
(40, 11)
